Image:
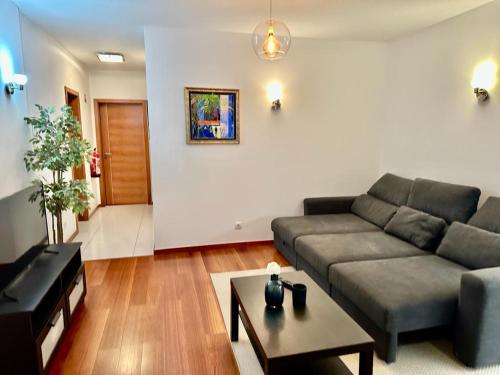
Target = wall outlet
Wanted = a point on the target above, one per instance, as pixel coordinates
(238, 225)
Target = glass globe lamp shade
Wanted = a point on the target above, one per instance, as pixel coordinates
(271, 39)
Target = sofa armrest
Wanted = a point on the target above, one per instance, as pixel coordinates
(477, 336)
(328, 205)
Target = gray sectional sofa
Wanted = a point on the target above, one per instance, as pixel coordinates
(401, 258)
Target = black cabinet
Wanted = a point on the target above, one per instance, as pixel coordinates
(38, 309)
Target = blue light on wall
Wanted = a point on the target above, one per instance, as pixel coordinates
(12, 81)
(6, 65)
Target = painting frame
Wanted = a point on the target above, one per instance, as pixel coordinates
(189, 92)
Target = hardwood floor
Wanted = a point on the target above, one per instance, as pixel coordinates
(156, 314)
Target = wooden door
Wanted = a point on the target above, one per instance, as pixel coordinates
(73, 100)
(125, 152)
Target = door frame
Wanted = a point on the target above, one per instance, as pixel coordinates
(67, 93)
(98, 134)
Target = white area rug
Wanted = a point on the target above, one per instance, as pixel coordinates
(423, 358)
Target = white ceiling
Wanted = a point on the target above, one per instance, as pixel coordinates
(86, 26)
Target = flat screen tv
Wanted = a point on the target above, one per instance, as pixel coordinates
(23, 232)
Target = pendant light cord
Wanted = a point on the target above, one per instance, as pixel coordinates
(270, 9)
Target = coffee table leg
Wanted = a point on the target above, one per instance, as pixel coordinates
(234, 317)
(366, 362)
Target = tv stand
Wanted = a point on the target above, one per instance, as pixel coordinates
(7, 296)
(38, 308)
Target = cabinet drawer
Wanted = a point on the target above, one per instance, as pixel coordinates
(76, 293)
(55, 332)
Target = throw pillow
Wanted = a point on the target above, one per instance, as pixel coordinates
(421, 229)
(471, 247)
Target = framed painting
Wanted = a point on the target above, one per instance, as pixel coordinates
(212, 116)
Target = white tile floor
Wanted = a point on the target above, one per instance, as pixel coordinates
(117, 232)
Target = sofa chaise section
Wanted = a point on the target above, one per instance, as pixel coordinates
(397, 295)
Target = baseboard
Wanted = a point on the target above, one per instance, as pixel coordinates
(75, 233)
(72, 237)
(94, 211)
(214, 246)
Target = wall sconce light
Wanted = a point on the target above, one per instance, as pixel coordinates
(484, 79)
(17, 82)
(274, 93)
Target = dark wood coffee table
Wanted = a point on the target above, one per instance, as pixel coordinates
(295, 340)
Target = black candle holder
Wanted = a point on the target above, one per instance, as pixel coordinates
(299, 293)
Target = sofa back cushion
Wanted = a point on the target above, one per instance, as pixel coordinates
(448, 201)
(488, 216)
(421, 229)
(374, 210)
(471, 247)
(392, 189)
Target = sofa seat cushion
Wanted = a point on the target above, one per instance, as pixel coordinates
(289, 228)
(320, 251)
(403, 294)
(471, 247)
(448, 201)
(374, 210)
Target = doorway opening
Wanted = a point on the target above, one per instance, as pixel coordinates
(125, 216)
(73, 100)
(123, 142)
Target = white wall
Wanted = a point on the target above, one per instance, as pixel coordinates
(323, 142)
(115, 84)
(50, 68)
(25, 48)
(13, 132)
(435, 127)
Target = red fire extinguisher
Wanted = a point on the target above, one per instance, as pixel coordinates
(95, 165)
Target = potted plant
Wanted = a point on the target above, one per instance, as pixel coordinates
(57, 146)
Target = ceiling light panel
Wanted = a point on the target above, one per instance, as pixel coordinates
(107, 57)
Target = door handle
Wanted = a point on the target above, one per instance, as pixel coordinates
(107, 154)
(55, 319)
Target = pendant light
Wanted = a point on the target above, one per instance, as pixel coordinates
(271, 38)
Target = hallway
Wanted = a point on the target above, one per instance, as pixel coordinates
(117, 232)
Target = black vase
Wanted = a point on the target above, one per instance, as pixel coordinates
(274, 292)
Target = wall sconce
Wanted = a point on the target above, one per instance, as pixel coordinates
(484, 79)
(274, 93)
(17, 82)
